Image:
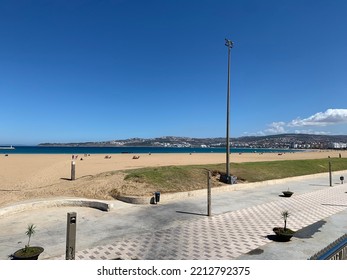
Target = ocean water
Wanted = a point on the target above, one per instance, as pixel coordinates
(133, 150)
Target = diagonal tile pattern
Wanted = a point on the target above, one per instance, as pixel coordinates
(227, 235)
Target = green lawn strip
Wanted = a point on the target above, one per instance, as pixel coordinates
(169, 178)
(261, 171)
(192, 177)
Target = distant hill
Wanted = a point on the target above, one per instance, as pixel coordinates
(268, 141)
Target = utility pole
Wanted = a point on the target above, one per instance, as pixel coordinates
(227, 179)
(330, 176)
(209, 193)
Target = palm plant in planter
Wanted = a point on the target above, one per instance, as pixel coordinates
(284, 233)
(28, 252)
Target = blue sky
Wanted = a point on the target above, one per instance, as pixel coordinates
(74, 71)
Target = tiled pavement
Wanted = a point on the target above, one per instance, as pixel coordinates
(227, 235)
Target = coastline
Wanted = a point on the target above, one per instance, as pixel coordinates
(35, 176)
(137, 149)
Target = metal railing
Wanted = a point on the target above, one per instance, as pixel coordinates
(335, 251)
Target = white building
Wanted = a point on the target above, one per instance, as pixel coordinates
(335, 145)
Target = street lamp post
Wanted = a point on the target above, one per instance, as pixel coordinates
(227, 179)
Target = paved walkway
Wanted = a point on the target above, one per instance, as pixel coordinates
(240, 227)
(225, 236)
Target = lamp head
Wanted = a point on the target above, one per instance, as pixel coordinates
(229, 43)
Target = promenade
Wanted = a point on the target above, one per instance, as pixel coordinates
(240, 227)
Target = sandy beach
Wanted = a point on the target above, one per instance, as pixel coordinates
(27, 177)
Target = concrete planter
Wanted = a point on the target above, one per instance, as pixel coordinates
(31, 253)
(287, 193)
(283, 235)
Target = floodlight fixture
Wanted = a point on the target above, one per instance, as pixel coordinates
(229, 43)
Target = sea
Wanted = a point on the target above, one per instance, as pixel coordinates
(132, 150)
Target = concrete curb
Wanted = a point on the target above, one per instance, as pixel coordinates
(136, 199)
(58, 202)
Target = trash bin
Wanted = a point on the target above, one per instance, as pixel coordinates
(156, 197)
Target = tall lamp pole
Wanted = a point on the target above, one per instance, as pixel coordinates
(229, 44)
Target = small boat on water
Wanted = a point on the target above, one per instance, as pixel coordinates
(7, 148)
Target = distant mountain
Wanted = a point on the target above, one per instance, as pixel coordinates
(268, 141)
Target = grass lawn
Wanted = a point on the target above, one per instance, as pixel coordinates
(192, 177)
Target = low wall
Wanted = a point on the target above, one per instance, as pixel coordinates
(59, 202)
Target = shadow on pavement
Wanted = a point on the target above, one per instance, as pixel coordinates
(198, 214)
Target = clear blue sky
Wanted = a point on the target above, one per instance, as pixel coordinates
(73, 71)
